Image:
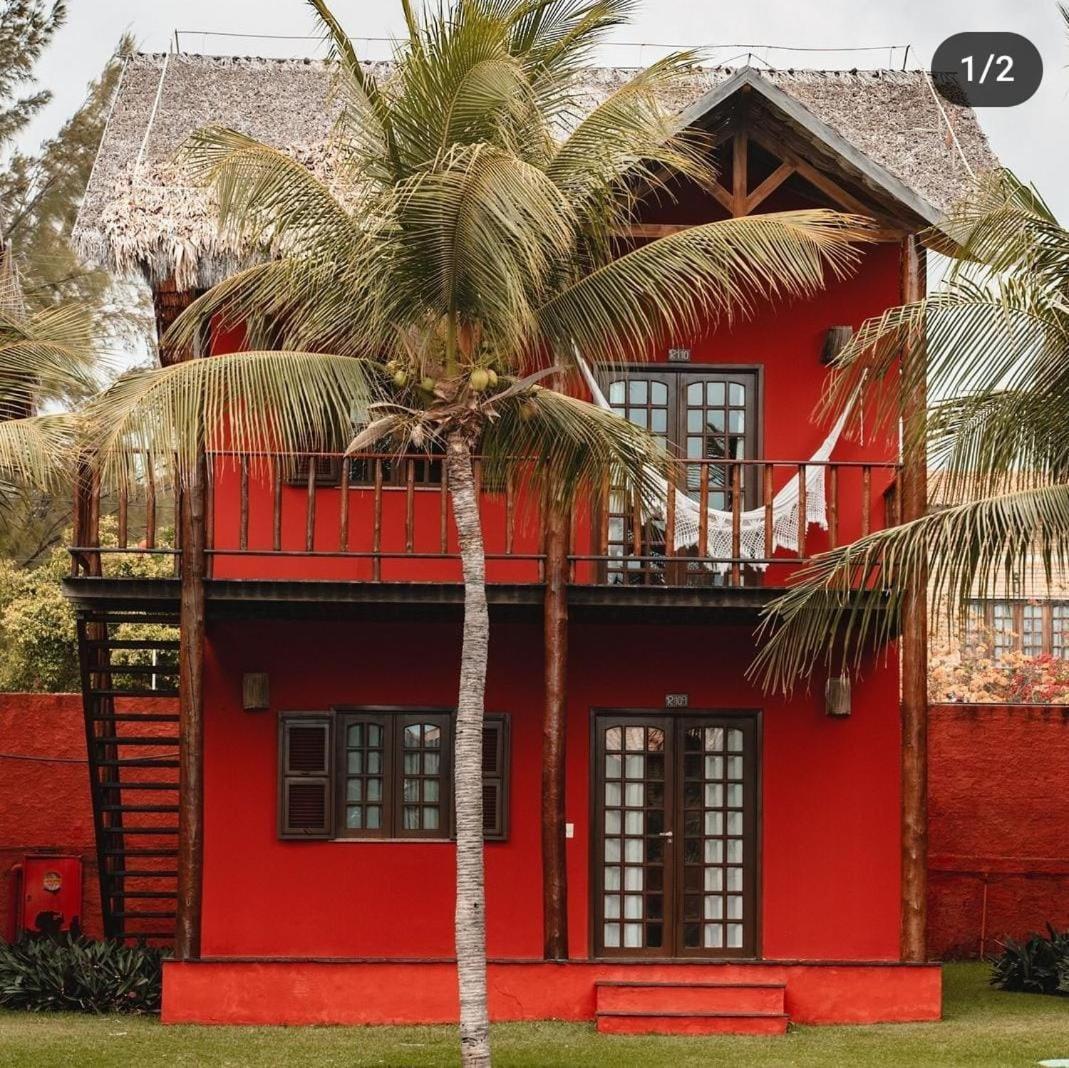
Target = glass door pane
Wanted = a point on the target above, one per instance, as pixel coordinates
(633, 837)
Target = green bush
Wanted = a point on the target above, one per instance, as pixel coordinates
(1039, 965)
(72, 973)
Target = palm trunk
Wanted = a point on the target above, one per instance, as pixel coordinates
(467, 766)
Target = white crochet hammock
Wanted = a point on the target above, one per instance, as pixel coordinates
(751, 522)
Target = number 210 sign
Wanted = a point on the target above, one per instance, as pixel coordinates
(987, 70)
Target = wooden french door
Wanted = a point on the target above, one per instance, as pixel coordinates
(675, 834)
(700, 416)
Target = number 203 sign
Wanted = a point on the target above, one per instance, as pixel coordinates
(987, 70)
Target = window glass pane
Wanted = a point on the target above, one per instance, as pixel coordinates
(658, 393)
(737, 394)
(1031, 629)
(1059, 630)
(636, 391)
(1002, 636)
(616, 392)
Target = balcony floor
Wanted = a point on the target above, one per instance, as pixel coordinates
(255, 598)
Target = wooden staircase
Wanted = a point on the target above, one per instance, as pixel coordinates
(129, 666)
(690, 1008)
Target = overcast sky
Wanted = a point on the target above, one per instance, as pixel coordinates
(1032, 138)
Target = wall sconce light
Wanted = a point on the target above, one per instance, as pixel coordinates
(835, 340)
(255, 691)
(837, 696)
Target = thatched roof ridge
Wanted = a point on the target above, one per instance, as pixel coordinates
(141, 213)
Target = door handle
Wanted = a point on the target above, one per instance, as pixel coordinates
(665, 834)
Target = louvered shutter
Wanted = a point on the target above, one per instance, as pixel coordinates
(305, 777)
(495, 777)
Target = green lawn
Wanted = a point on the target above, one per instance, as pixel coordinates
(982, 1027)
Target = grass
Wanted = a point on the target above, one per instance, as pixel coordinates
(982, 1026)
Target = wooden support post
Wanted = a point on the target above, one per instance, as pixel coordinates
(554, 721)
(914, 646)
(191, 718)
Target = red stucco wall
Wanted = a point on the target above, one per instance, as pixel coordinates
(44, 792)
(830, 792)
(785, 337)
(998, 817)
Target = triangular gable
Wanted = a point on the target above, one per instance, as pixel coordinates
(749, 84)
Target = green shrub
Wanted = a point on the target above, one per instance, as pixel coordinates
(72, 973)
(1039, 965)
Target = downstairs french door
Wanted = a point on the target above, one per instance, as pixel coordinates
(675, 840)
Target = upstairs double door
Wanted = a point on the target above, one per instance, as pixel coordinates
(703, 417)
(675, 843)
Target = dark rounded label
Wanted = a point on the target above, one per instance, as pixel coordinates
(987, 70)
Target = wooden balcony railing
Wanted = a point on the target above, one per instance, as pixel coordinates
(383, 518)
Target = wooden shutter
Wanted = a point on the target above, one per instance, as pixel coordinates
(495, 778)
(305, 767)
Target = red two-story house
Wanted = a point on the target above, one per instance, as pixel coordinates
(668, 848)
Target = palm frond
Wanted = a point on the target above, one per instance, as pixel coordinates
(627, 147)
(246, 402)
(564, 446)
(680, 284)
(848, 601)
(270, 198)
(480, 236)
(35, 452)
(463, 86)
(374, 105)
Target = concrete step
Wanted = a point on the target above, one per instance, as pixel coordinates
(691, 1023)
(681, 996)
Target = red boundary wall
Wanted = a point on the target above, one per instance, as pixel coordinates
(44, 793)
(997, 815)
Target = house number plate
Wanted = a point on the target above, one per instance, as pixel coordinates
(676, 700)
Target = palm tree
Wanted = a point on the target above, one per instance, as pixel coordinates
(47, 358)
(992, 349)
(437, 276)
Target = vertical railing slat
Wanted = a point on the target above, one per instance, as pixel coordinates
(410, 504)
(866, 499)
(310, 518)
(833, 506)
(343, 508)
(766, 496)
(276, 503)
(803, 507)
(150, 504)
(123, 530)
(736, 523)
(376, 524)
(703, 511)
(243, 536)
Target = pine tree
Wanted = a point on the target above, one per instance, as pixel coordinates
(40, 192)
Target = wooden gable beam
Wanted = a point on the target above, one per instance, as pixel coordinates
(739, 172)
(768, 186)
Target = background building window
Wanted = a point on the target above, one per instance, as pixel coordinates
(1032, 628)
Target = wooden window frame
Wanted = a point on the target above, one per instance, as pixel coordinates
(984, 607)
(393, 721)
(393, 718)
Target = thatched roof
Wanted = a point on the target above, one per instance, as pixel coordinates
(141, 213)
